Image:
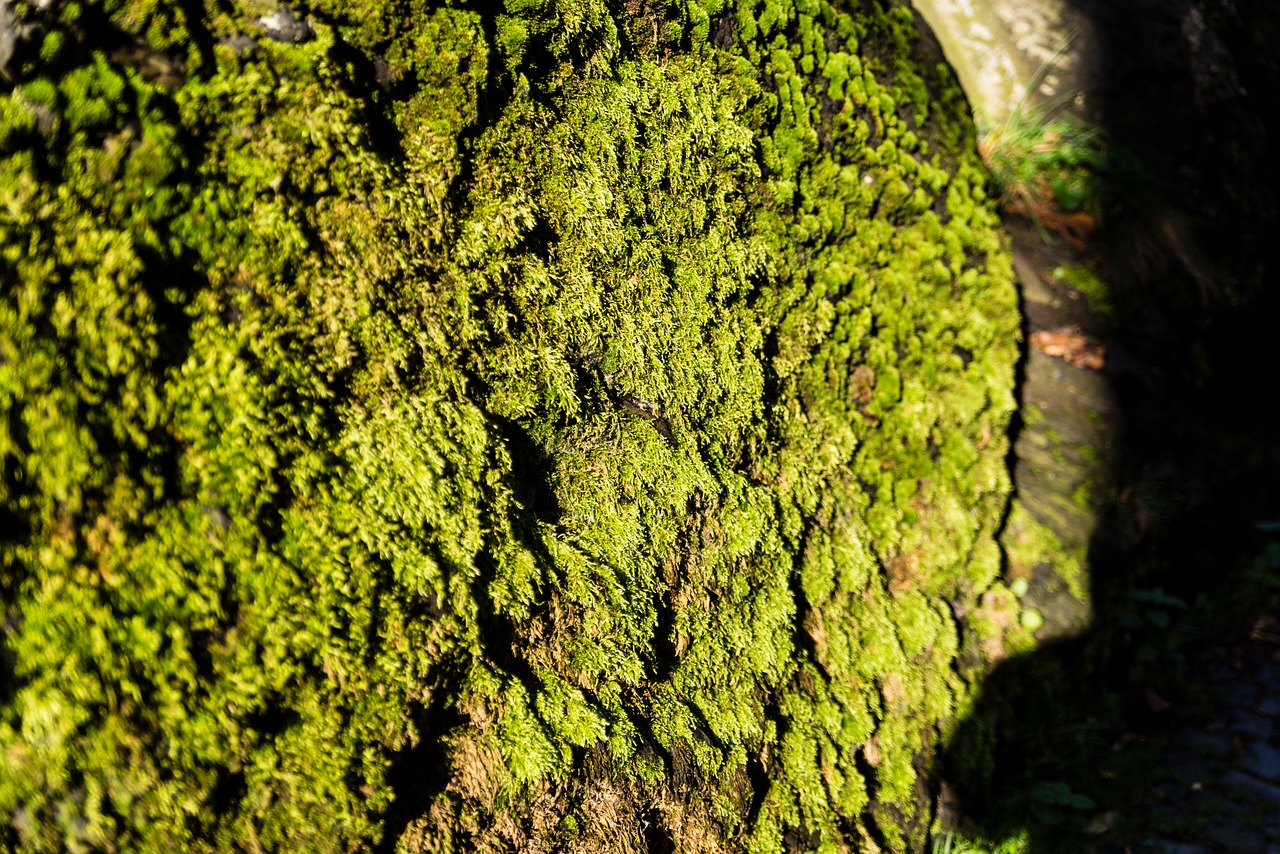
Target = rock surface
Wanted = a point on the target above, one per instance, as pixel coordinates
(545, 426)
(1214, 787)
(1008, 52)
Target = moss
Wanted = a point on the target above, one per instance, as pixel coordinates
(1089, 285)
(1030, 544)
(576, 409)
(1082, 496)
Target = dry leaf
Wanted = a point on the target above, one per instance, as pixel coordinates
(1068, 344)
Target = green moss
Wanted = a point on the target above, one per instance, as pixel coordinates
(592, 391)
(1089, 285)
(1030, 544)
(1082, 496)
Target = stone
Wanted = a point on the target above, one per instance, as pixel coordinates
(1263, 760)
(1236, 837)
(1000, 49)
(1170, 819)
(1212, 67)
(1102, 823)
(1159, 845)
(240, 43)
(285, 26)
(1205, 743)
(11, 32)
(1220, 805)
(1251, 725)
(1237, 692)
(1267, 793)
(293, 139)
(1190, 767)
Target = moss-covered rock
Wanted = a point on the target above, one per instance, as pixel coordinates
(559, 424)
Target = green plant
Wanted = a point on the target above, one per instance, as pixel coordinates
(1048, 163)
(953, 844)
(1086, 282)
(1059, 794)
(1047, 166)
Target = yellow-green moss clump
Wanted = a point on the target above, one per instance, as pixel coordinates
(457, 426)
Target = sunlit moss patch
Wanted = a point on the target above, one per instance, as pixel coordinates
(553, 425)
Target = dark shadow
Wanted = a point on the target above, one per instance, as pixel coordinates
(1189, 248)
(419, 773)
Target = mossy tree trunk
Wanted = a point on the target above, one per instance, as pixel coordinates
(455, 426)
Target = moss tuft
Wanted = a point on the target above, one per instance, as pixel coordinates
(526, 408)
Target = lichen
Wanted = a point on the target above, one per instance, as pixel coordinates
(425, 431)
